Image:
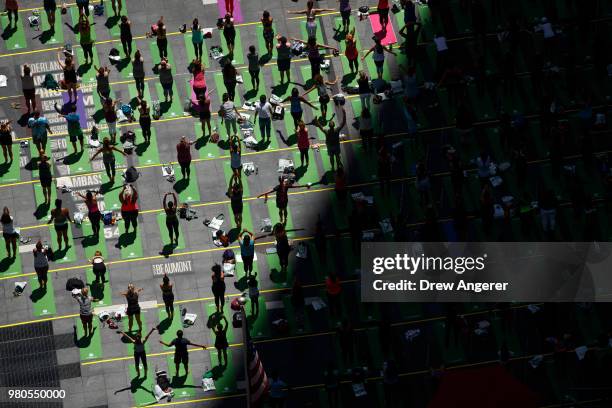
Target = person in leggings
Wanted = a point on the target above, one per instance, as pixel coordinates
(167, 296)
(218, 287)
(86, 39)
(108, 158)
(133, 308)
(145, 120)
(138, 72)
(172, 222)
(41, 264)
(46, 177)
(129, 207)
(60, 217)
(93, 211)
(140, 355)
(162, 40)
(126, 35)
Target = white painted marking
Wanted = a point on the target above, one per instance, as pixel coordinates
(26, 248)
(205, 2)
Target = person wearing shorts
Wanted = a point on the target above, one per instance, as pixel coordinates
(204, 105)
(60, 217)
(85, 311)
(6, 140)
(133, 307)
(41, 264)
(45, 177)
(40, 126)
(181, 355)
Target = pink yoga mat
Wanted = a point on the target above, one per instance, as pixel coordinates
(237, 10)
(385, 37)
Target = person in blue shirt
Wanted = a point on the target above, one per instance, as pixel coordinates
(247, 250)
(40, 127)
(278, 391)
(74, 127)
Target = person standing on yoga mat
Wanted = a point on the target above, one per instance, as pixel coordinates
(332, 139)
(102, 83)
(172, 221)
(28, 88)
(378, 55)
(303, 142)
(268, 31)
(73, 121)
(9, 233)
(133, 308)
(229, 33)
(321, 86)
(204, 106)
(83, 6)
(110, 115)
(139, 73)
(129, 206)
(254, 67)
(116, 5)
(60, 217)
(197, 38)
(183, 156)
(218, 287)
(283, 247)
(70, 76)
(351, 52)
(282, 197)
(99, 268)
(40, 126)
(314, 57)
(145, 120)
(199, 78)
(283, 58)
(345, 13)
(86, 39)
(235, 192)
(296, 100)
(229, 79)
(12, 9)
(45, 176)
(125, 29)
(6, 140)
(140, 355)
(108, 158)
(41, 264)
(167, 296)
(221, 343)
(311, 17)
(181, 355)
(247, 250)
(264, 109)
(93, 210)
(50, 7)
(162, 40)
(85, 311)
(383, 14)
(166, 80)
(229, 114)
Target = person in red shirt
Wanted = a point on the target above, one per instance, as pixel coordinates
(129, 207)
(383, 14)
(351, 52)
(183, 156)
(303, 142)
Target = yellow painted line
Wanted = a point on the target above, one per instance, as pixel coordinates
(46, 319)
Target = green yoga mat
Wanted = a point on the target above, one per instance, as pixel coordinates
(305, 174)
(274, 217)
(187, 190)
(65, 255)
(9, 171)
(77, 162)
(165, 238)
(182, 386)
(9, 266)
(46, 36)
(282, 91)
(100, 291)
(167, 328)
(280, 280)
(131, 244)
(252, 95)
(142, 388)
(13, 36)
(42, 210)
(87, 72)
(220, 90)
(224, 377)
(145, 330)
(91, 243)
(259, 326)
(238, 49)
(111, 191)
(90, 348)
(290, 313)
(206, 149)
(147, 153)
(43, 301)
(190, 51)
(112, 22)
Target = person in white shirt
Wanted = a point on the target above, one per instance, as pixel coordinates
(263, 109)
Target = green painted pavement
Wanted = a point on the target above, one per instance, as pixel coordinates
(9, 266)
(145, 330)
(14, 37)
(46, 36)
(87, 72)
(227, 173)
(9, 171)
(282, 91)
(274, 217)
(112, 22)
(90, 348)
(220, 90)
(453, 354)
(98, 290)
(43, 301)
(65, 255)
(308, 83)
(259, 326)
(224, 376)
(187, 189)
(141, 388)
(131, 244)
(167, 328)
(304, 33)
(238, 49)
(278, 279)
(147, 153)
(168, 248)
(182, 386)
(90, 243)
(261, 43)
(306, 174)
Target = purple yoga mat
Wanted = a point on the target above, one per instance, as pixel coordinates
(237, 10)
(80, 105)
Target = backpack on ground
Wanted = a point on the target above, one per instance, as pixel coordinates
(50, 83)
(156, 110)
(74, 283)
(131, 174)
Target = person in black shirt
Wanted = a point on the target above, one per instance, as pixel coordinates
(181, 355)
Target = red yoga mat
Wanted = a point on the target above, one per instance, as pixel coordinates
(387, 37)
